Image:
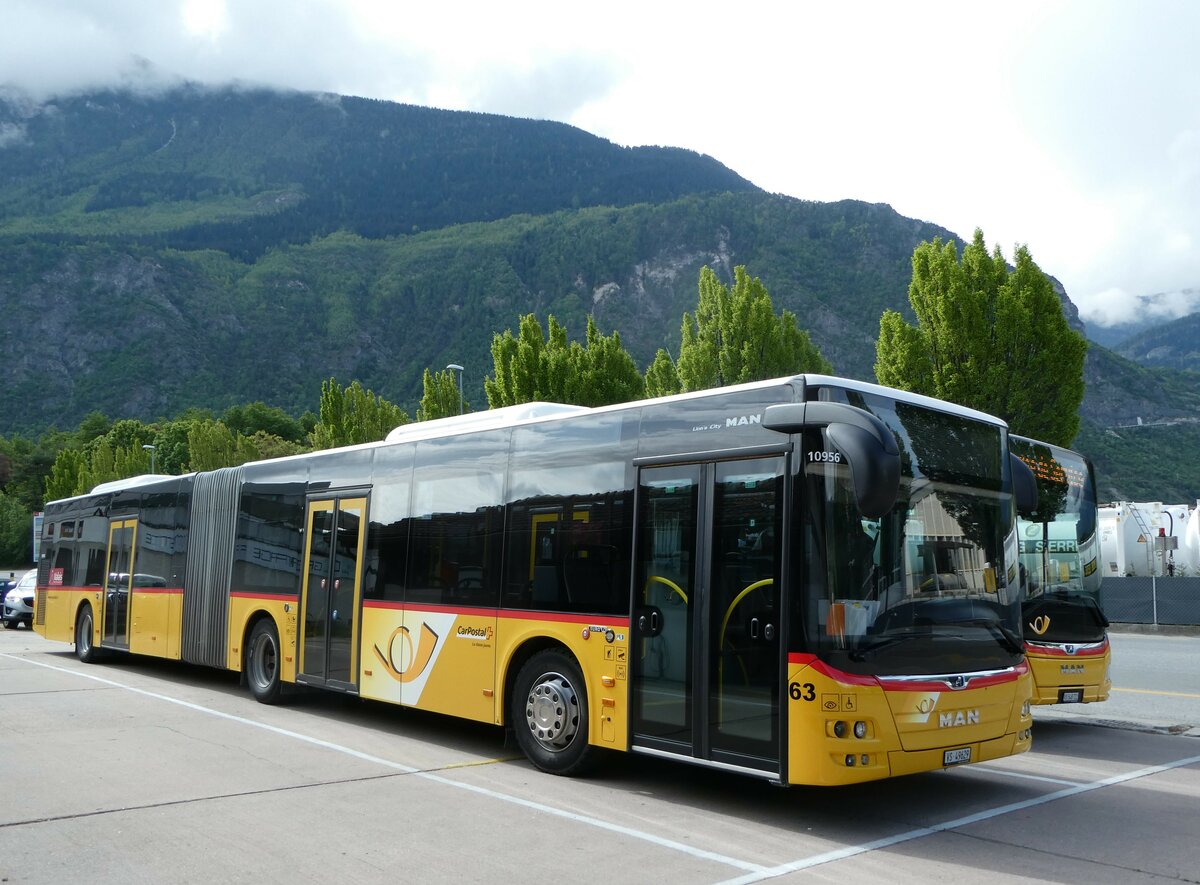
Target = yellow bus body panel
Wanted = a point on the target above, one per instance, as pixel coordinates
(1055, 670)
(157, 623)
(459, 662)
(59, 608)
(282, 610)
(907, 731)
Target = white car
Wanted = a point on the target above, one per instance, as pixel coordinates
(18, 602)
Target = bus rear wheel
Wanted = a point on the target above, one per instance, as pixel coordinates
(549, 712)
(85, 647)
(262, 663)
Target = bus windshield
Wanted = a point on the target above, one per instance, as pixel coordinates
(1060, 546)
(932, 587)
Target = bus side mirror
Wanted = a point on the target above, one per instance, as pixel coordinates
(862, 439)
(1025, 490)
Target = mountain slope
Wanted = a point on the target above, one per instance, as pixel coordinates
(141, 331)
(212, 248)
(241, 171)
(1173, 345)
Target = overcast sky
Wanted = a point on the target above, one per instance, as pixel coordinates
(1071, 127)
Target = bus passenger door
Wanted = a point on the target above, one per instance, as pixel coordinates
(330, 595)
(118, 582)
(706, 666)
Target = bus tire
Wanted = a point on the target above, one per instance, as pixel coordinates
(85, 646)
(262, 663)
(549, 712)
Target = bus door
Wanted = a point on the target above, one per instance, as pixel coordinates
(118, 582)
(706, 667)
(330, 596)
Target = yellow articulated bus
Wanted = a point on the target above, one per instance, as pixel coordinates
(808, 580)
(1066, 635)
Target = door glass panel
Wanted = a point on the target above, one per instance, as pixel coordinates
(317, 594)
(744, 614)
(663, 611)
(343, 597)
(117, 582)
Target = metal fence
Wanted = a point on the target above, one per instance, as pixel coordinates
(1151, 600)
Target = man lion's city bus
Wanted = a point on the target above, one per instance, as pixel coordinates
(809, 580)
(1065, 630)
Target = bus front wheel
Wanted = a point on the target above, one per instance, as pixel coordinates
(549, 712)
(262, 663)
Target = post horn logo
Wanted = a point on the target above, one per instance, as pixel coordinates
(414, 658)
(1040, 624)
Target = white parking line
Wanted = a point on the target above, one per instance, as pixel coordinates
(1023, 776)
(854, 850)
(436, 778)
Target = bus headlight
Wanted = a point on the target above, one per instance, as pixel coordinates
(860, 730)
(839, 729)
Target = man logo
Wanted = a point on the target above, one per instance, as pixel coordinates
(743, 420)
(955, 718)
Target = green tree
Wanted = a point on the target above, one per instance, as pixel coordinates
(536, 366)
(441, 397)
(93, 425)
(988, 337)
(600, 372)
(662, 378)
(268, 445)
(353, 415)
(523, 365)
(735, 337)
(68, 475)
(171, 453)
(212, 445)
(250, 418)
(16, 531)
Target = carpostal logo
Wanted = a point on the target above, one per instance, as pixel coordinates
(465, 632)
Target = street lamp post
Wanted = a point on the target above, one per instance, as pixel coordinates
(455, 367)
(152, 450)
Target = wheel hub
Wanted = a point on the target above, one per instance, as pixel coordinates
(552, 711)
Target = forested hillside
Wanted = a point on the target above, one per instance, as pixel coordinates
(1173, 345)
(213, 248)
(242, 171)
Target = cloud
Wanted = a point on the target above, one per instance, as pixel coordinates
(1072, 127)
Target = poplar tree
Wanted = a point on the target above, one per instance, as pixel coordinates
(441, 397)
(536, 366)
(353, 415)
(989, 337)
(735, 337)
(212, 445)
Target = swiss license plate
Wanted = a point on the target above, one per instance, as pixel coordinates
(1071, 696)
(956, 757)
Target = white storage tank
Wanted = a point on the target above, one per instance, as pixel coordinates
(1127, 538)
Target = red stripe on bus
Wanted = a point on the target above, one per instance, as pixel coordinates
(1058, 650)
(246, 594)
(63, 588)
(510, 614)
